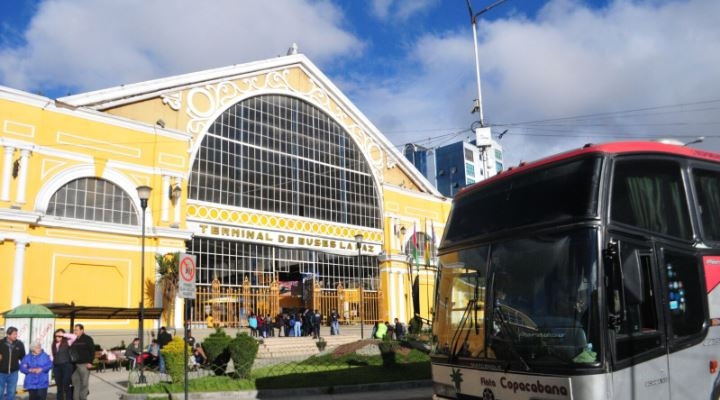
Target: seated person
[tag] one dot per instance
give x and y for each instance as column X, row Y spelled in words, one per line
column 132, row 352
column 151, row 358
column 199, row 355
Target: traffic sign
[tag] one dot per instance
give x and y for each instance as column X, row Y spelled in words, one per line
column 186, row 286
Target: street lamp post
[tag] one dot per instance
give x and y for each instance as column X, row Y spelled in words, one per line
column 358, row 241
column 473, row 19
column 144, row 195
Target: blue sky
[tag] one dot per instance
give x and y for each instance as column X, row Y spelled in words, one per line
column 555, row 73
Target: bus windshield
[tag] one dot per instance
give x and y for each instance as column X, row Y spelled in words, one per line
column 525, row 303
column 540, row 197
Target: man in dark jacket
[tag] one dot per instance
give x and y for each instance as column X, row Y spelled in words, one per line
column 82, row 353
column 164, row 337
column 11, row 352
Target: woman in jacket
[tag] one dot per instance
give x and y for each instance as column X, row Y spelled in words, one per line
column 36, row 366
column 62, row 367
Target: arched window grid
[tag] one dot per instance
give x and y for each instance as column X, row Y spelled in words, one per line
column 93, row 199
column 280, row 154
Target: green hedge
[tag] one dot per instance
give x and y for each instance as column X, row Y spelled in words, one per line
column 216, row 347
column 175, row 359
column 243, row 350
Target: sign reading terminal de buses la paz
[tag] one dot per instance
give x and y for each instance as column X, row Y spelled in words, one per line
column 283, row 239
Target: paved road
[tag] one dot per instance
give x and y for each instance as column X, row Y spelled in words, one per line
column 110, row 385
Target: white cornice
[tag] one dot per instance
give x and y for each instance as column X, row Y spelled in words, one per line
column 173, row 233
column 60, row 107
column 28, row 217
column 129, row 93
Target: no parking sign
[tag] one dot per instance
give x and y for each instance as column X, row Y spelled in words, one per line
column 187, row 274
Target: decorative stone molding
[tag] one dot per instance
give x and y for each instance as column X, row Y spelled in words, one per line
column 203, row 104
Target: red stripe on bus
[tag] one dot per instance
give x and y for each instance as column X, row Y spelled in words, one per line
column 712, row 271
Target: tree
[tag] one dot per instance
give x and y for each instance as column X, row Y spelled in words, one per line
column 167, row 268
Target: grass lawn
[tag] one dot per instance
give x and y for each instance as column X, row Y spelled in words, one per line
column 326, row 370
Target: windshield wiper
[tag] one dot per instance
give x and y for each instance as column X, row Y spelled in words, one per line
column 472, row 303
column 499, row 317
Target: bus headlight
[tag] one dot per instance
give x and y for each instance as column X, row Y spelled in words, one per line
column 445, row 391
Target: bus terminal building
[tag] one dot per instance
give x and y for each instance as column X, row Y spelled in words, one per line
column 288, row 196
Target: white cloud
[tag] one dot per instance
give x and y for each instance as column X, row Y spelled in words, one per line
column 570, row 61
column 93, row 44
column 400, row 9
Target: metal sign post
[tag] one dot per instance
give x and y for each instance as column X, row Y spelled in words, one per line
column 187, row 290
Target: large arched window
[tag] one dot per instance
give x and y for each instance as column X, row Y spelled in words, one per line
column 281, row 154
column 93, row 199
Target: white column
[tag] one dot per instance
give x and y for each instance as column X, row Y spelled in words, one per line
column 403, row 302
column 165, row 198
column 176, row 219
column 7, row 173
column 392, row 295
column 18, row 271
column 22, row 178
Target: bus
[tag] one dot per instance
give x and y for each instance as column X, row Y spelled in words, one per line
column 591, row 274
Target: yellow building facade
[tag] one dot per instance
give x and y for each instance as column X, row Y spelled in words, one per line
column 264, row 171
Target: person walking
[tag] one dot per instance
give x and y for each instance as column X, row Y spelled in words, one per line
column 62, row 367
column 82, row 353
column 12, row 352
column 36, row 366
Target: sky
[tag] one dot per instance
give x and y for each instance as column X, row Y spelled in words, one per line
column 555, row 74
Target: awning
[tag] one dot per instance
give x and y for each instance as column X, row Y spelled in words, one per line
column 71, row 311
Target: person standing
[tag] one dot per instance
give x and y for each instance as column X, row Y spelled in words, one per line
column 316, row 322
column 62, row 367
column 334, row 322
column 164, row 337
column 82, row 353
column 12, row 352
column 399, row 330
column 36, row 366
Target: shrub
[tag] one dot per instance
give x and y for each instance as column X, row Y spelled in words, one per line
column 216, row 348
column 387, row 348
column 175, row 359
column 321, row 344
column 243, row 350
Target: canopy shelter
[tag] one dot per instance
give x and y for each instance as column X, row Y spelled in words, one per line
column 72, row 312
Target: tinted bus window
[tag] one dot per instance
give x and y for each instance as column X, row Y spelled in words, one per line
column 684, row 294
column 707, row 187
column 649, row 194
column 551, row 195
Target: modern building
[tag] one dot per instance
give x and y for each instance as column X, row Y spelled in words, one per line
column 288, row 196
column 457, row 165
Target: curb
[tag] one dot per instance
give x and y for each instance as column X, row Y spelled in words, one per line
column 285, row 393
column 323, row 390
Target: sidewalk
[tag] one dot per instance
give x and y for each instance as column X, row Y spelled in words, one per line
column 113, row 384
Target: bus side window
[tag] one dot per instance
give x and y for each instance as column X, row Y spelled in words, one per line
column 684, row 294
column 707, row 187
column 650, row 195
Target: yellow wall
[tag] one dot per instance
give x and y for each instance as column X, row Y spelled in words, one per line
column 97, row 266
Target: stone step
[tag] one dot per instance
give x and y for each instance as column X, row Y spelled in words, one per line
column 277, row 347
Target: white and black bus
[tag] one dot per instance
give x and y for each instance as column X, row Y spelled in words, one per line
column 588, row 275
